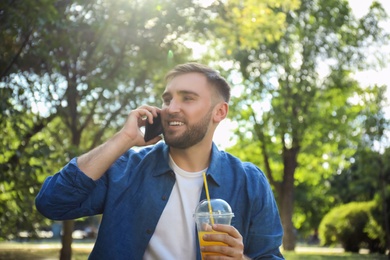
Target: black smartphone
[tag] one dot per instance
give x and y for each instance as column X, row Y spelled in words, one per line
column 153, row 130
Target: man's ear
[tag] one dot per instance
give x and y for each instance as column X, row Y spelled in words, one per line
column 220, row 112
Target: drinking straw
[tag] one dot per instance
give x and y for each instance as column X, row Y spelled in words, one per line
column 208, row 198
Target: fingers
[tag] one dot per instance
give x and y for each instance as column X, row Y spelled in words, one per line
column 226, row 238
column 146, row 113
column 232, row 231
column 234, row 248
column 206, row 227
column 220, row 252
column 135, row 120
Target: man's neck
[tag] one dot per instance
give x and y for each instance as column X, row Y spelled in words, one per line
column 192, row 159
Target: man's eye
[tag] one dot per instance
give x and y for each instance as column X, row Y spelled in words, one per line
column 166, row 101
column 187, row 98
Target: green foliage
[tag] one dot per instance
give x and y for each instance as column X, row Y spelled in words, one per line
column 238, row 20
column 19, row 176
column 307, row 124
column 368, row 178
column 359, row 182
column 18, row 20
column 353, row 225
column 70, row 74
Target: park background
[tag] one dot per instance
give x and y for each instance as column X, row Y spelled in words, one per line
column 309, row 106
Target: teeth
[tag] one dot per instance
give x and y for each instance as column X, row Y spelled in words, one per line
column 175, row 123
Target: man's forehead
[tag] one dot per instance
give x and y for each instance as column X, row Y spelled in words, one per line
column 190, row 83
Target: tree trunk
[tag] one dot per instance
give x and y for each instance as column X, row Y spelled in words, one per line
column 383, row 183
column 72, row 96
column 286, row 212
column 287, row 198
column 67, row 239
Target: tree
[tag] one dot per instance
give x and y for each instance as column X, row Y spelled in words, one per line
column 75, row 77
column 19, row 174
column 368, row 177
column 71, row 71
column 18, row 21
column 300, row 119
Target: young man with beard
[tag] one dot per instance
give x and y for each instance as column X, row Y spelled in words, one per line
column 148, row 196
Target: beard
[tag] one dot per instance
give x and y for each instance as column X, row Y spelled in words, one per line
column 193, row 135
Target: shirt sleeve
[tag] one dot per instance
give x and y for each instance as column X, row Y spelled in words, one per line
column 266, row 231
column 70, row 194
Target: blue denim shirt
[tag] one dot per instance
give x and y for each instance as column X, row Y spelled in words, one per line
column 133, row 192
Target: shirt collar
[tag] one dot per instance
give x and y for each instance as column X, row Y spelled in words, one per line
column 161, row 150
column 215, row 167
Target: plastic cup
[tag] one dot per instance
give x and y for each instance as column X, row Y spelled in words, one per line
column 221, row 214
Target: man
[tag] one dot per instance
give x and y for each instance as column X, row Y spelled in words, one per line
column 148, row 197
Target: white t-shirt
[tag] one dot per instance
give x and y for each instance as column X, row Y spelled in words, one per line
column 174, row 237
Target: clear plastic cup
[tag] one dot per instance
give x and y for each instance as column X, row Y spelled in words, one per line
column 221, row 214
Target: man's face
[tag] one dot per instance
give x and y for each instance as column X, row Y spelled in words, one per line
column 187, row 110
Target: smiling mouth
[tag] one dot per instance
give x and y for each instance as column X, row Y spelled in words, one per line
column 175, row 123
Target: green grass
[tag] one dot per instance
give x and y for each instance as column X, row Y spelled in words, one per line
column 41, row 250
column 51, row 251
column 325, row 256
column 39, row 254
column 53, row 254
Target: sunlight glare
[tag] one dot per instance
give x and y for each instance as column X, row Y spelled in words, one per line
column 204, row 3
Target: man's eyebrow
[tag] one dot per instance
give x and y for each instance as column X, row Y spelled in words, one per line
column 180, row 92
column 188, row 92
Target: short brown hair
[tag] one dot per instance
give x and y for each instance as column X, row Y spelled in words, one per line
column 212, row 76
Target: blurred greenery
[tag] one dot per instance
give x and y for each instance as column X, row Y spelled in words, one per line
column 352, row 225
column 321, row 256
column 300, row 126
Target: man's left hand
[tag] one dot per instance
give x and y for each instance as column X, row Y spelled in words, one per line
column 233, row 240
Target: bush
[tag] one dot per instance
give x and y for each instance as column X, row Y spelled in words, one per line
column 353, row 226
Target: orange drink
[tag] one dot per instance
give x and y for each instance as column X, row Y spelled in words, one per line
column 210, row 212
column 209, row 243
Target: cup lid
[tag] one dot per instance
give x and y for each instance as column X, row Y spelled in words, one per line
column 219, row 208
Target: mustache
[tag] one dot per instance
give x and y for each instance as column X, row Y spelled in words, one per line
column 175, row 118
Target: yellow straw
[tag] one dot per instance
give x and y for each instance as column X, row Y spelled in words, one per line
column 208, row 198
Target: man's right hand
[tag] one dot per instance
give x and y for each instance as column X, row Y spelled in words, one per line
column 136, row 119
column 96, row 162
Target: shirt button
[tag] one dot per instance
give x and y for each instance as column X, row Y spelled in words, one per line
column 149, row 231
column 164, row 197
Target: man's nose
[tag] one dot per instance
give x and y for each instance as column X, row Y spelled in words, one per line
column 173, row 107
